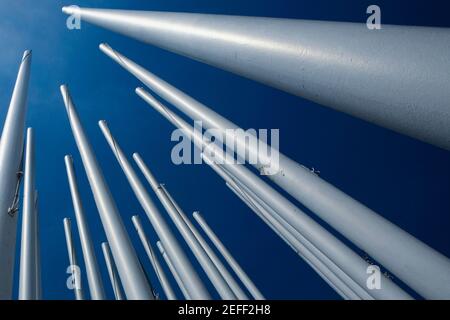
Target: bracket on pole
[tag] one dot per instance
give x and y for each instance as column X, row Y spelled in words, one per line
column 15, row 205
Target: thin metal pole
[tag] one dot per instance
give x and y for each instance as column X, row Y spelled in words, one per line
column 112, row 272
column 27, row 278
column 300, row 243
column 234, row 286
column 208, row 266
column 251, row 287
column 11, row 151
column 37, row 242
column 338, row 252
column 74, row 267
column 341, row 65
column 165, row 284
column 130, row 271
column 330, row 278
column 92, row 270
column 184, row 268
column 173, row 271
column 383, row 240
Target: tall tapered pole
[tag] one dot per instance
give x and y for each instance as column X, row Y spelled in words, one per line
column 160, row 274
column 27, row 278
column 370, row 231
column 227, row 276
column 92, row 270
column 11, row 149
column 251, row 287
column 174, row 272
column 338, row 252
column 208, row 266
column 73, row 261
column 37, row 242
column 130, row 271
column 184, row 268
column 112, row 272
column 392, row 77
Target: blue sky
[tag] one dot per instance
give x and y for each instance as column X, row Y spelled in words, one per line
column 406, row 181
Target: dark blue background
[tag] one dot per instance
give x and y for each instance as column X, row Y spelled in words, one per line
column 406, row 181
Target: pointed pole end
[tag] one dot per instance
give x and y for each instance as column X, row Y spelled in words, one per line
column 69, row 9
column 26, row 53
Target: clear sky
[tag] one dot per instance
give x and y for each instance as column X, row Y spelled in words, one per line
column 406, row 181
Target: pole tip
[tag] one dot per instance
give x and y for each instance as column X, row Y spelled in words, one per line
column 102, row 123
column 26, row 54
column 136, row 156
column 70, row 9
column 104, row 47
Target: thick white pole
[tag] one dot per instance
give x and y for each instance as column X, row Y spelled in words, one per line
column 74, row 267
column 11, row 149
column 130, row 271
column 173, row 271
column 227, row 276
column 338, row 252
column 208, row 266
column 184, row 268
column 92, row 270
column 27, row 277
column 112, row 272
column 160, row 274
column 251, row 287
column 400, row 252
column 394, row 77
column 37, row 242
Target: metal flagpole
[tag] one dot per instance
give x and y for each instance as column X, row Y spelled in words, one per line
column 330, row 278
column 92, row 270
column 74, row 267
column 37, row 242
column 181, row 262
column 112, row 272
column 208, row 266
column 297, row 242
column 130, row 271
column 251, row 287
column 173, row 271
column 11, row 150
column 326, row 268
column 371, row 232
column 338, row 252
column 341, row 65
column 234, row 286
column 165, row 284
column 27, row 277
